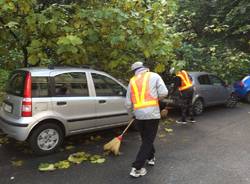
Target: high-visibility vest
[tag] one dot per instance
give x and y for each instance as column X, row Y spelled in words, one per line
column 140, row 92
column 186, row 82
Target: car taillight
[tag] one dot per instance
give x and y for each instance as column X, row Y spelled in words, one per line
column 241, row 84
column 27, row 100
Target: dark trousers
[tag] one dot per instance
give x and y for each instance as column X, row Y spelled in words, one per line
column 148, row 130
column 186, row 104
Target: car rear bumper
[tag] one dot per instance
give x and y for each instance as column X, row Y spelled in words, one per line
column 18, row 131
column 240, row 94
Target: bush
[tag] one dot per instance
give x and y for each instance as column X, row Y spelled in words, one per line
column 3, row 78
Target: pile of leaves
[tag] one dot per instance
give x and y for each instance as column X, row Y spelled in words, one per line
column 75, row 158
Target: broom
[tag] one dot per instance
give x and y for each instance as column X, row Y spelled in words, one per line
column 114, row 144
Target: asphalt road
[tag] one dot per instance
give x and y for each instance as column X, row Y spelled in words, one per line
column 215, row 150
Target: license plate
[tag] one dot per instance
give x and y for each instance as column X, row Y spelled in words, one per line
column 7, row 107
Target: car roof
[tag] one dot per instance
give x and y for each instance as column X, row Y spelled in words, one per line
column 43, row 71
column 199, row 73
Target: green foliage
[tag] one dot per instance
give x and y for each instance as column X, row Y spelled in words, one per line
column 3, row 78
column 216, row 37
column 109, row 36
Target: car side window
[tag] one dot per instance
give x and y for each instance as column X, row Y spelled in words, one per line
column 216, row 81
column 204, row 80
column 105, row 86
column 71, row 84
column 40, row 87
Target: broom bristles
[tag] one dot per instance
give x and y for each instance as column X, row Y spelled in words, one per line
column 113, row 146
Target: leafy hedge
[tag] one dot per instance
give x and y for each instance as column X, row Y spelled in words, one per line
column 3, row 78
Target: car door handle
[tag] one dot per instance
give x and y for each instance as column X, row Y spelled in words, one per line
column 102, row 101
column 61, row 103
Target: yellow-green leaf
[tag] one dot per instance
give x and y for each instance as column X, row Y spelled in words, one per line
column 78, row 157
column 46, row 167
column 65, row 164
column 17, row 163
column 70, row 147
column 169, row 130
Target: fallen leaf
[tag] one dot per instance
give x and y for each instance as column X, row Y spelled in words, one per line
column 98, row 161
column 4, row 140
column 78, row 157
column 70, row 147
column 46, row 167
column 95, row 157
column 17, row 163
column 62, row 164
column 168, row 130
column 161, row 135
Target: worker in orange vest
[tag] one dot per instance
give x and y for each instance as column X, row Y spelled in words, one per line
column 143, row 94
column 186, row 95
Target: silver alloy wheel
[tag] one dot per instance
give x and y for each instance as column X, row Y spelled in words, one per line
column 198, row 107
column 48, row 139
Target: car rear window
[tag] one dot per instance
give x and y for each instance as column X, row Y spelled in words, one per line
column 15, row 84
column 40, row 87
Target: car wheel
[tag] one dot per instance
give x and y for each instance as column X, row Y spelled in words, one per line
column 248, row 97
column 232, row 101
column 198, row 107
column 46, row 139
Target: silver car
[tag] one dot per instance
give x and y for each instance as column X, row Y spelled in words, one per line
column 44, row 105
column 209, row 90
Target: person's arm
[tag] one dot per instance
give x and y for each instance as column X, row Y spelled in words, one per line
column 161, row 88
column 128, row 102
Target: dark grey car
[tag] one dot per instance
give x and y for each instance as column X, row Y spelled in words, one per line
column 209, row 90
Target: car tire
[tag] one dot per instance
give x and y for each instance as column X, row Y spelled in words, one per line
column 248, row 97
column 232, row 101
column 198, row 106
column 46, row 138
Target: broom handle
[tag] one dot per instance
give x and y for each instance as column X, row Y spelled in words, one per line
column 130, row 123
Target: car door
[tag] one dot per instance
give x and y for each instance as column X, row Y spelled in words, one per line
column 72, row 100
column 110, row 100
column 204, row 88
column 220, row 91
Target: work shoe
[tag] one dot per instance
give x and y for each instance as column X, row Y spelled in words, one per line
column 137, row 172
column 181, row 122
column 151, row 162
column 191, row 120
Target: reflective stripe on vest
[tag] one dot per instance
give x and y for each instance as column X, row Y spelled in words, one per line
column 185, row 80
column 140, row 92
